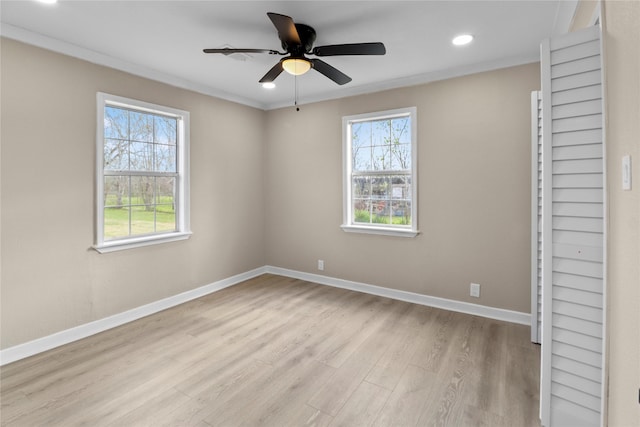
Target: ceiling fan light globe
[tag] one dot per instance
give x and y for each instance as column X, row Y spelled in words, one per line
column 296, row 66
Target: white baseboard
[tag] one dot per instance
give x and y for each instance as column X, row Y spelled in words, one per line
column 446, row 304
column 67, row 336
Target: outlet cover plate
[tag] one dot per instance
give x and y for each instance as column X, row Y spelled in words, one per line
column 474, row 290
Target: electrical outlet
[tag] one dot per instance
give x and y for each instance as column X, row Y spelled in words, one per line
column 320, row 264
column 474, row 290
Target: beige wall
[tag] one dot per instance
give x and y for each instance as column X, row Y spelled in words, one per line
column 621, row 27
column 474, row 198
column 474, row 191
column 51, row 279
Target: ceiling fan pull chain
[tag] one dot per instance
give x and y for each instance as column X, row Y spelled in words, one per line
column 295, row 96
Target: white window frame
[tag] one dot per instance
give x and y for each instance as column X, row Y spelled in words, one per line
column 182, row 180
column 348, row 224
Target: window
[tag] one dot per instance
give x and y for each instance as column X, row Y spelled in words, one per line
column 142, row 174
column 380, row 152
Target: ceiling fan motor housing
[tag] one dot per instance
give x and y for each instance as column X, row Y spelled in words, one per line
column 307, row 37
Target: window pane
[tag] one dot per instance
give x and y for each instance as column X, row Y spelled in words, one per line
column 116, row 123
column 362, row 158
column 165, row 157
column 401, row 130
column 381, row 158
column 165, row 190
column 362, row 211
column 165, row 204
column 361, row 134
column 380, row 212
column 142, row 220
column 165, row 218
column 142, row 192
column 165, row 130
column 141, row 127
column 116, row 190
column 380, row 188
column 380, row 135
column 401, row 156
column 141, row 156
column 116, row 154
column 361, row 187
column 401, row 211
column 401, row 187
column 116, row 222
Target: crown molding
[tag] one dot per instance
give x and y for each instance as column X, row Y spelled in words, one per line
column 564, row 15
column 413, row 80
column 39, row 40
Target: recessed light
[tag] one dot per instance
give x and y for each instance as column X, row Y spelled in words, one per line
column 48, row 1
column 269, row 85
column 462, row 39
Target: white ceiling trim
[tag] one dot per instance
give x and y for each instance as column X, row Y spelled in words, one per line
column 564, row 16
column 45, row 42
column 412, row 80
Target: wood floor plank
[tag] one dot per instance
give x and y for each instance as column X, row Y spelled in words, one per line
column 308, row 416
column 275, row 351
column 476, row 417
column 452, row 402
column 400, row 350
column 447, row 405
column 287, row 395
column 522, row 384
column 404, row 406
column 334, row 394
column 363, row 407
column 487, row 390
column 363, row 320
column 153, row 412
column 435, row 341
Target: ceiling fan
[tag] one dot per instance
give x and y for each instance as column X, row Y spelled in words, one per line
column 297, row 41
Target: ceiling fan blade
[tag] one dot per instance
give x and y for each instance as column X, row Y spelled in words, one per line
column 272, row 73
column 229, row 51
column 329, row 71
column 375, row 48
column 286, row 28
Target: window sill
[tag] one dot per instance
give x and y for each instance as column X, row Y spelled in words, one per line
column 120, row 245
column 385, row 231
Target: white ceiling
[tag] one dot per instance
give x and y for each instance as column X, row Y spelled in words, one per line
column 163, row 40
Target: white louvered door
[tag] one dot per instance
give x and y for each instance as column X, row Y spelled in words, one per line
column 573, row 254
column 536, row 217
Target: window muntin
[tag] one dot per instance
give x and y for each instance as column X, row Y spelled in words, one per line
column 380, row 152
column 142, row 172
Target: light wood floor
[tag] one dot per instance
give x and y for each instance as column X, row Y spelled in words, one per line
column 276, row 351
